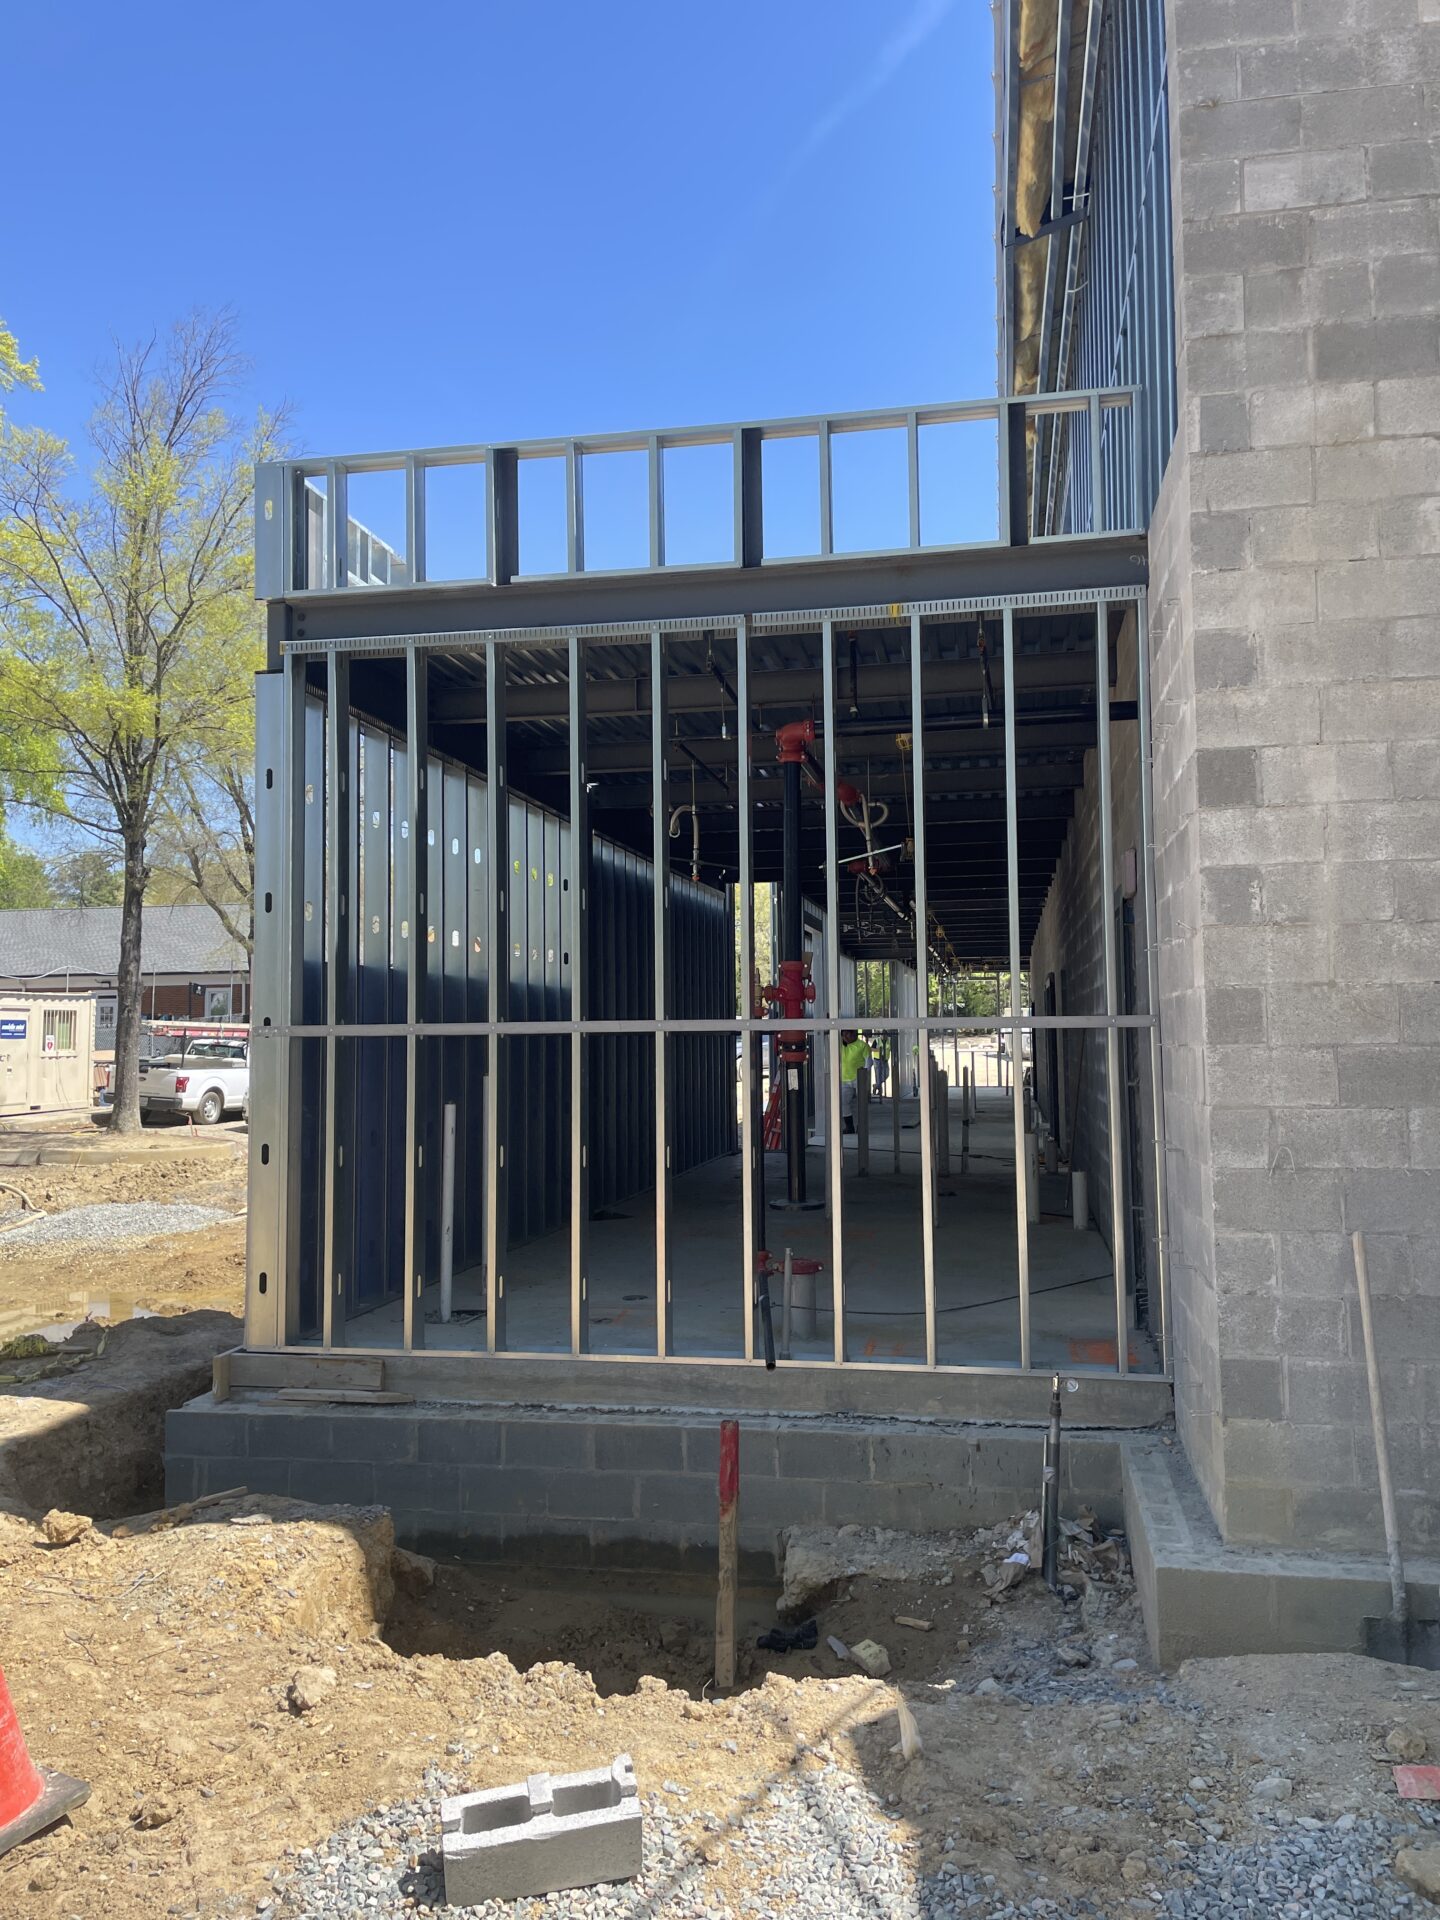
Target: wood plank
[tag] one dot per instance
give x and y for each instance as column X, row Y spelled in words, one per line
column 306, row 1370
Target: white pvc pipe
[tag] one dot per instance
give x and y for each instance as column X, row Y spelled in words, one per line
column 447, row 1216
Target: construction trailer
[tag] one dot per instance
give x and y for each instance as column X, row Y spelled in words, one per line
column 47, row 1053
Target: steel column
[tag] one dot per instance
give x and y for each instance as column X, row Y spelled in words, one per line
column 752, row 1044
column 835, row 1144
column 415, row 519
column 417, row 1051
column 659, row 736
column 292, row 985
column 922, row 983
column 1152, row 971
column 1107, row 941
column 1017, row 1080
column 579, row 929
column 497, row 1102
column 339, row 885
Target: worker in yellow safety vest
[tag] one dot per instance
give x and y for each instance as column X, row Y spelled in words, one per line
column 854, row 1054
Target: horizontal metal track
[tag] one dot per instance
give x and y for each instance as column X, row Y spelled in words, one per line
column 894, row 614
column 841, row 1023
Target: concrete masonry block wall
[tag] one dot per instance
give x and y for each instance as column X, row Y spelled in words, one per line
column 1308, row 289
column 588, row 1488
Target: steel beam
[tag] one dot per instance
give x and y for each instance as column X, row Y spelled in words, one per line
column 339, row 920
column 834, row 1140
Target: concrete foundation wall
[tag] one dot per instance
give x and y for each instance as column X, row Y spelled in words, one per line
column 587, row 1488
column 1295, row 565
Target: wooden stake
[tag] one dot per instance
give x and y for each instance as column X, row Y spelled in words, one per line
column 729, row 1554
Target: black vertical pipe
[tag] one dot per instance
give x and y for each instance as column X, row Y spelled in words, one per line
column 792, row 942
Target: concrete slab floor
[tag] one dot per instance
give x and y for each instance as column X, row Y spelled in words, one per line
column 1073, row 1320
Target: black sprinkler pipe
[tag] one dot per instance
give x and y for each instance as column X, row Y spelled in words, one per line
column 792, row 943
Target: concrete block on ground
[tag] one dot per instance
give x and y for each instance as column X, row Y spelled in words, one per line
column 543, row 1835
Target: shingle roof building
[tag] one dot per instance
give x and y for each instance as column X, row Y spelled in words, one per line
column 84, row 943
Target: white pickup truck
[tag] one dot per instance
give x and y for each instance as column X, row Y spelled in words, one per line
column 204, row 1075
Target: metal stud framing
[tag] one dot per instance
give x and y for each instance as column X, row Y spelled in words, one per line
column 1107, row 947
column 1012, row 841
column 387, row 863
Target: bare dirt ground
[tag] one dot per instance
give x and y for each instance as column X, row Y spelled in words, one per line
column 108, row 1282
column 157, row 1667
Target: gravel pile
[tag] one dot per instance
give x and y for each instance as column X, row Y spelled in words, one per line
column 822, row 1844
column 104, row 1225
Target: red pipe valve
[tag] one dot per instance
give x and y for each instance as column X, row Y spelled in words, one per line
column 791, row 740
column 790, row 996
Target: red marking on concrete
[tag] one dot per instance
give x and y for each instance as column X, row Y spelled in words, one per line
column 729, row 1464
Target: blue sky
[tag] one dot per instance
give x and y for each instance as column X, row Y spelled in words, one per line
column 458, row 222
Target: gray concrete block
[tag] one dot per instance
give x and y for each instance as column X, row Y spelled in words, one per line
column 549, row 1443
column 280, row 1436
column 180, row 1479
column 652, row 1447
column 1369, row 470
column 1224, row 660
column 1234, row 1015
column 939, row 1459
column 407, row 1486
column 206, row 1430
column 260, row 1476
column 1351, row 350
column 1407, row 283
column 1408, row 406
column 1403, row 171
column 1313, row 1015
column 586, row 1494
column 758, row 1453
column 1231, row 23
column 1404, row 1076
column 1227, row 777
column 823, row 1453
column 502, row 1491
column 1240, row 128
column 1394, row 1200
column 1270, row 477
column 460, row 1439
column 1311, row 179
column 1254, row 1389
column 1268, row 1202
column 1222, row 423
column 543, row 1835
column 1213, row 304
column 1362, row 116
column 333, row 1482
column 380, row 1435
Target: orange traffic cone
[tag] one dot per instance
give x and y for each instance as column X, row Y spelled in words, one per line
column 30, row 1800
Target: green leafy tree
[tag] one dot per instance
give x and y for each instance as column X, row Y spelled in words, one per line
column 127, row 606
column 15, row 372
column 88, row 878
column 24, row 881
